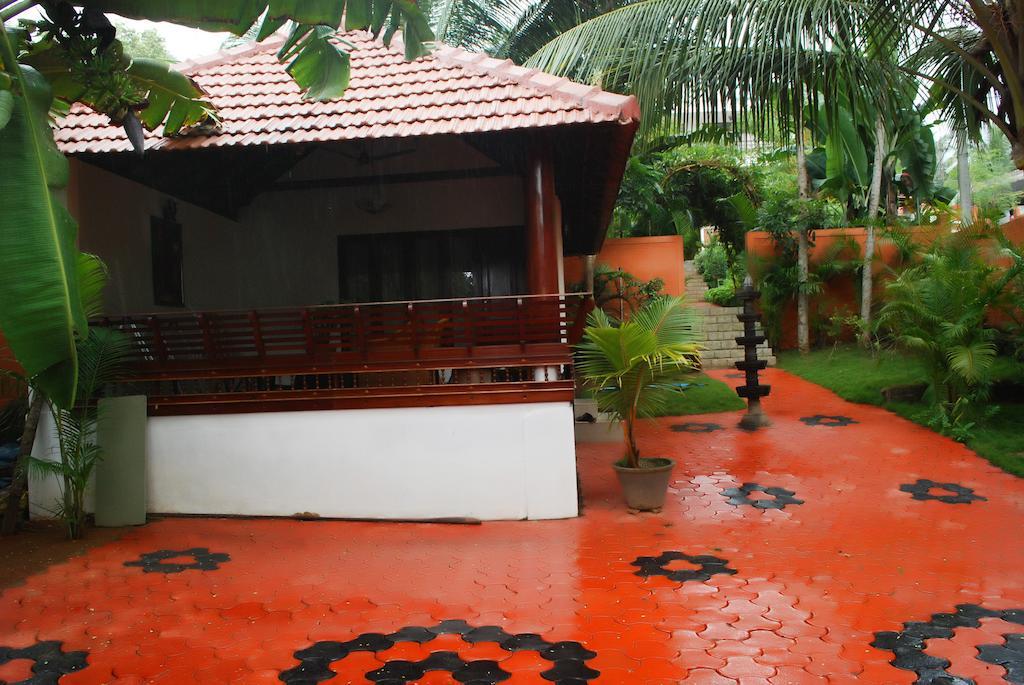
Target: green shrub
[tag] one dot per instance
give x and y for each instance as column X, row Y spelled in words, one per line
column 936, row 310
column 723, row 295
column 712, row 263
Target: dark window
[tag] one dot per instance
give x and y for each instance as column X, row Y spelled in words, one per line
column 165, row 240
column 428, row 265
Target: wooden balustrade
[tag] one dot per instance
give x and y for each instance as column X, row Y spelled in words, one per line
column 376, row 354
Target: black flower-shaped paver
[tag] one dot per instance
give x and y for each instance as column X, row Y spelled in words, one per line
column 156, row 562
column 695, row 427
column 741, row 496
column 658, row 566
column 954, row 493
column 50, row 661
column 909, row 644
column 829, row 421
column 1009, row 655
column 568, row 659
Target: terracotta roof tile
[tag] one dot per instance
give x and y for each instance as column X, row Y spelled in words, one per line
column 451, row 91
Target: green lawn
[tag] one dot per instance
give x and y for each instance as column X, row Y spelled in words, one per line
column 704, row 396
column 855, row 375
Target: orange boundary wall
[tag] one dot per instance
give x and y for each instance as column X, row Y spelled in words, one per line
column 646, row 258
column 843, row 292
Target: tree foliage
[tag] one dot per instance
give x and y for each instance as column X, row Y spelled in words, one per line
column 751, row 64
column 971, row 54
column 148, row 42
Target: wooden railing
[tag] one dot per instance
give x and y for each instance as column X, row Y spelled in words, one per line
column 346, row 352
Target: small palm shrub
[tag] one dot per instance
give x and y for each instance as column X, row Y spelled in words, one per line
column 100, row 360
column 634, row 367
column 936, row 310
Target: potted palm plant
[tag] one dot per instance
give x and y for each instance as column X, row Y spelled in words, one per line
column 633, row 368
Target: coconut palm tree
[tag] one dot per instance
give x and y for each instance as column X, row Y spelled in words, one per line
column 512, row 29
column 971, row 53
column 767, row 66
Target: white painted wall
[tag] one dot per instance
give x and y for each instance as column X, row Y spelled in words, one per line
column 114, row 222
column 490, row 462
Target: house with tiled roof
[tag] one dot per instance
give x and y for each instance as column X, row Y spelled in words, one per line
column 356, row 308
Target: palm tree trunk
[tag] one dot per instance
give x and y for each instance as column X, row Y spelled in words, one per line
column 14, row 493
column 804, row 187
column 632, row 453
column 963, row 173
column 874, row 199
column 1017, row 154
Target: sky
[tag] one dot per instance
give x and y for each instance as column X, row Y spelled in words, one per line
column 182, row 42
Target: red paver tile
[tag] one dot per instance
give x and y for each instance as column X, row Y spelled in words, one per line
column 810, row 591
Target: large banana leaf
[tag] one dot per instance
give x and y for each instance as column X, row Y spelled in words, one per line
column 6, row 107
column 40, row 308
column 319, row 67
column 846, row 157
column 173, row 99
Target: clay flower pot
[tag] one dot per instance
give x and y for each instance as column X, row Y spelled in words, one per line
column 645, row 488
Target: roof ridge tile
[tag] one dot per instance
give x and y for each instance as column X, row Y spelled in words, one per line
column 625, row 107
column 228, row 54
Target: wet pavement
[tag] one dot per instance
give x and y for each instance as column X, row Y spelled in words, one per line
column 841, row 545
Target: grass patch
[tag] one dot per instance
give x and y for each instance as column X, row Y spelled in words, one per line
column 855, row 375
column 705, row 395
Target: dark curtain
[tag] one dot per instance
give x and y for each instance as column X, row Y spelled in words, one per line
column 427, row 265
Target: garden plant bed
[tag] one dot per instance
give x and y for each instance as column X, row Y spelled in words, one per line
column 855, row 375
column 42, row 543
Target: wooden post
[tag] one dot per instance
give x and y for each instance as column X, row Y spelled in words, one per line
column 543, row 225
column 543, row 232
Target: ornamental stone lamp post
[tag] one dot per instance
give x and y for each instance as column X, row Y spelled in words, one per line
column 752, row 390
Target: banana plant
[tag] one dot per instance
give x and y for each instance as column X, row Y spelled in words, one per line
column 842, row 167
column 72, row 56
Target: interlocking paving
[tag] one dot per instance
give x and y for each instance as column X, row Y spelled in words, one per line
column 567, row 658
column 695, row 427
column 924, row 489
column 813, row 586
column 837, row 421
column 744, row 496
column 202, row 560
column 705, row 566
column 909, row 645
column 48, row 662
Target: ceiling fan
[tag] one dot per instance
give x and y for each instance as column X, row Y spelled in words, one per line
column 366, row 157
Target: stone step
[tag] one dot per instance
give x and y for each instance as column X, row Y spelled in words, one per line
column 729, row 364
column 723, row 335
column 710, row 309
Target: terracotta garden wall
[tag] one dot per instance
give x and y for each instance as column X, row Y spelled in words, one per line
column 646, row 258
column 843, row 292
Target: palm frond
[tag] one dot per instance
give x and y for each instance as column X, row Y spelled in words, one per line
column 694, row 62
column 972, row 362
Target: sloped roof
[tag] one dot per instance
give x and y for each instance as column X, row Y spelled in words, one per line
column 449, row 92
